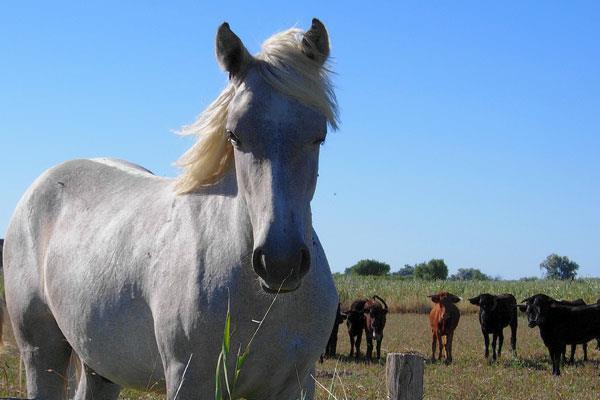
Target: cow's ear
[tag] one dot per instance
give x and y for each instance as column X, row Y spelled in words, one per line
column 434, row 297
column 385, row 310
column 522, row 307
column 455, row 299
column 475, row 300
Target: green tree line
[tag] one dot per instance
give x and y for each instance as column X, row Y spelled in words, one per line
column 554, row 267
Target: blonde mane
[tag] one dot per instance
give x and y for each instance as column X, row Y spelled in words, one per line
column 288, row 70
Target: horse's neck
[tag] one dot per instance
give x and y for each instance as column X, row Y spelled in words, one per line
column 221, row 205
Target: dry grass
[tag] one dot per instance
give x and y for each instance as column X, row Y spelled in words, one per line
column 469, row 377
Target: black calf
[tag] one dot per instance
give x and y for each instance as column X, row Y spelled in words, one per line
column 495, row 313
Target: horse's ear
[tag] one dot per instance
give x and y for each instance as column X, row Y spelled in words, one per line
column 231, row 53
column 315, row 43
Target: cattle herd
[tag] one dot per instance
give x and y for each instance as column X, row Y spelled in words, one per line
column 560, row 322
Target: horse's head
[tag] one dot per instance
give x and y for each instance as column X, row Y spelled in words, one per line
column 269, row 124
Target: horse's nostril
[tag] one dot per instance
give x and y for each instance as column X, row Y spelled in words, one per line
column 304, row 260
column 258, row 263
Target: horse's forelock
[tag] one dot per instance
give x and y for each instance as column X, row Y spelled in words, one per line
column 287, row 69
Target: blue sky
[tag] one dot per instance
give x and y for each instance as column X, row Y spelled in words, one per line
column 470, row 131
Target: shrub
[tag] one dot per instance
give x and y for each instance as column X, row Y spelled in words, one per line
column 369, row 267
column 432, row 270
column 470, row 274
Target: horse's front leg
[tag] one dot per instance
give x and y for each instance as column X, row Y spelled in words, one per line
column 182, row 380
column 189, row 373
column 308, row 390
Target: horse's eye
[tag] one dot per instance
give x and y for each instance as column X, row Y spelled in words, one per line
column 319, row 141
column 232, row 137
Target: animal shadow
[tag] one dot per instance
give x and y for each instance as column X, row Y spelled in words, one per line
column 360, row 360
column 538, row 364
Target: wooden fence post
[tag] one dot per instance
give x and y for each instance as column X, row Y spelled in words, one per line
column 404, row 376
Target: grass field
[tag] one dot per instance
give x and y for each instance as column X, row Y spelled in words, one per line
column 411, row 295
column 470, row 377
column 528, row 376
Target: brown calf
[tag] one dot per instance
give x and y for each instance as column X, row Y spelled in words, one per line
column 356, row 324
column 443, row 319
column 367, row 315
column 375, row 317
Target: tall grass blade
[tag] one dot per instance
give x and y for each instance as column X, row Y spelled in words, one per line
column 218, row 391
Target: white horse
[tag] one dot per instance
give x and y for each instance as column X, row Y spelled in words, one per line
column 132, row 272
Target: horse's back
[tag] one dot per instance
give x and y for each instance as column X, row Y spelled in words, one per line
column 76, row 184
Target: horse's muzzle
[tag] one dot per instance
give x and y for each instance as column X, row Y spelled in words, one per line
column 281, row 274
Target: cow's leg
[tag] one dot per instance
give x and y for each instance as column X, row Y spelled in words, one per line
column 449, row 338
column 556, row 361
column 379, row 349
column 369, row 339
column 500, row 342
column 433, row 343
column 486, row 342
column 351, row 345
column 513, row 337
column 358, row 340
column 93, row 386
column 333, row 348
column 584, row 345
column 441, row 346
column 494, row 339
column 572, row 358
column 44, row 349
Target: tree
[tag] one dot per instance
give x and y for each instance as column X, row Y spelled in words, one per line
column 470, row 274
column 431, row 270
column 406, row 271
column 369, row 267
column 528, row 279
column 559, row 267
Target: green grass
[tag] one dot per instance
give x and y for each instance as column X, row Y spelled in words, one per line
column 411, row 295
